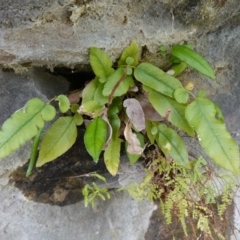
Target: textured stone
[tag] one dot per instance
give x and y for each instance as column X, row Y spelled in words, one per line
column 59, row 33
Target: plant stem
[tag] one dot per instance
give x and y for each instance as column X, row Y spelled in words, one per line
column 34, row 152
column 116, row 86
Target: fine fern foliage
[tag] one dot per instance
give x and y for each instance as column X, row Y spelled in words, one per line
column 138, row 104
column 58, row 139
column 213, row 135
column 114, row 98
column 193, row 59
column 23, row 125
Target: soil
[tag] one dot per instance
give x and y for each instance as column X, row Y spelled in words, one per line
column 57, row 182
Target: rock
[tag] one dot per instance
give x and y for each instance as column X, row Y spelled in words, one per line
column 34, row 220
column 58, row 34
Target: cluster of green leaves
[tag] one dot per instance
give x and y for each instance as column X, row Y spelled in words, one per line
column 91, row 192
column 120, row 102
column 186, row 194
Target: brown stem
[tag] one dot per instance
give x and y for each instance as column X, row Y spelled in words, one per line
column 115, row 87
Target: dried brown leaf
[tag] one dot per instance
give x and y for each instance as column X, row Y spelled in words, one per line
column 135, row 113
column 134, row 145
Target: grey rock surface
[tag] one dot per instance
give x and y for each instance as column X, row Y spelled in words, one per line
column 121, row 217
column 59, row 33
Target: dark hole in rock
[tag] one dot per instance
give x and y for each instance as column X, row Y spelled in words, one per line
column 77, row 77
column 56, row 182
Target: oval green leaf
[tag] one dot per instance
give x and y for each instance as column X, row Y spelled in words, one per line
column 22, row 126
column 181, row 95
column 130, row 51
column 100, row 62
column 194, row 60
column 74, row 107
column 98, row 96
column 48, row 113
column 156, row 79
column 164, row 104
column 178, row 68
column 58, row 139
column 172, row 145
column 112, row 81
column 91, row 108
column 78, row 119
column 149, row 126
column 63, row 103
column 112, row 156
column 95, row 137
column 213, row 135
column 89, row 91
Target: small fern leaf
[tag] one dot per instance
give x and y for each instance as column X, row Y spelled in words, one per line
column 181, row 95
column 193, row 59
column 63, row 103
column 89, row 91
column 172, row 144
column 95, row 137
column 175, row 111
column 112, row 81
column 58, row 139
column 213, row 135
column 100, row 62
column 112, row 156
column 130, row 52
column 23, row 125
column 156, row 79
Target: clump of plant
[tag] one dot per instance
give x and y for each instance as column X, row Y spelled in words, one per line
column 136, row 103
column 189, row 196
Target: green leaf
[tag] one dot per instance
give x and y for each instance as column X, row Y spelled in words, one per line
column 115, row 107
column 194, row 60
column 129, row 71
column 172, row 144
column 89, row 91
column 164, row 104
column 78, row 119
column 23, row 125
column 181, row 95
column 58, row 139
column 48, row 113
column 115, row 123
column 98, row 96
column 74, row 107
column 213, row 135
column 112, row 81
column 100, row 62
column 63, row 103
column 134, row 157
column 129, row 60
column 91, row 108
column 95, row 137
column 102, row 79
column 156, row 79
column 131, row 51
column 149, row 126
column 112, row 156
column 162, row 49
column 178, row 68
